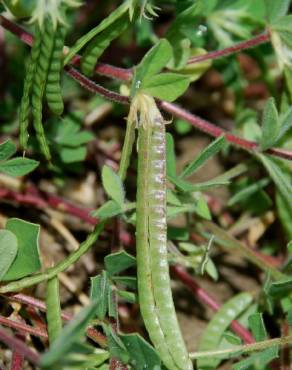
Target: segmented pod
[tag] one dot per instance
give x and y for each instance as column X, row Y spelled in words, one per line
column 155, row 297
column 39, row 84
column 97, row 46
column 145, row 284
column 53, row 87
column 25, row 100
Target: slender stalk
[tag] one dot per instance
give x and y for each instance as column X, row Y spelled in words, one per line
column 33, row 302
column 15, row 286
column 95, row 88
column 247, row 348
column 23, row 328
column 247, row 44
column 127, row 150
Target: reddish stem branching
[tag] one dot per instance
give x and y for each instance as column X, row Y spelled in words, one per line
column 36, row 303
column 125, row 74
column 66, row 206
column 199, row 123
column 23, row 328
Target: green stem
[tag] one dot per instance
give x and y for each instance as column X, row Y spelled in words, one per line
column 62, row 266
column 258, row 346
column 127, row 150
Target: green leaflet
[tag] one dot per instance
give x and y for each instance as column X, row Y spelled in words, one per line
column 279, row 177
column 117, row 262
column 285, row 123
column 27, row 260
column 213, row 148
column 142, row 354
column 276, row 9
column 97, row 46
column 18, row 166
column 116, row 346
column 166, row 86
column 217, row 326
column 270, row 125
column 178, row 37
column 256, row 323
column 8, row 250
column 223, row 179
column 113, row 185
column 107, row 210
column 7, row 149
column 247, row 191
column 15, row 166
column 100, row 290
column 107, row 22
column 285, row 214
column 153, row 61
column 259, row 360
column 281, row 39
column 280, row 288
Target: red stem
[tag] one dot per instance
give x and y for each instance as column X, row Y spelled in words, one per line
column 23, row 328
column 31, row 301
column 215, row 131
column 205, row 297
column 17, row 345
column 125, row 74
column 17, row 361
column 247, row 44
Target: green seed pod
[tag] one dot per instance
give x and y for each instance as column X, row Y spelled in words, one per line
column 97, row 46
column 53, row 88
column 25, row 100
column 39, row 84
column 155, row 297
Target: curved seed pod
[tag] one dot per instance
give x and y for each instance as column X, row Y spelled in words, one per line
column 158, row 247
column 53, row 88
column 25, row 100
column 217, row 326
column 41, row 74
column 154, row 289
column 97, row 46
column 145, row 285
